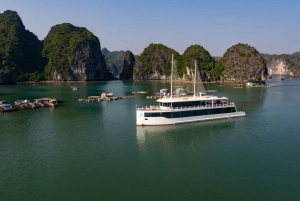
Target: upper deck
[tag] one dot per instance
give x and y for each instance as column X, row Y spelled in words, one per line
column 186, row 103
column 189, row 98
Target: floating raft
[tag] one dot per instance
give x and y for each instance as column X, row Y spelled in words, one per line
column 288, row 85
column 154, row 97
column 99, row 98
column 285, row 85
column 211, row 91
column 27, row 104
column 140, row 92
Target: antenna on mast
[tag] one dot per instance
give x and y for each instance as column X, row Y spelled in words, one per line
column 195, row 79
column 172, row 77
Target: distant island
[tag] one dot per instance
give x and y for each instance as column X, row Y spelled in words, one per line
column 71, row 53
column 240, row 62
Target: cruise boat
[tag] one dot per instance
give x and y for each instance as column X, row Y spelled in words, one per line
column 175, row 109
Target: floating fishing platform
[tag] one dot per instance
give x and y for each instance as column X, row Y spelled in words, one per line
column 140, row 92
column 103, row 98
column 154, row 97
column 27, row 104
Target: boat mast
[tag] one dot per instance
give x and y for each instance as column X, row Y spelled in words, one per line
column 195, row 79
column 172, row 77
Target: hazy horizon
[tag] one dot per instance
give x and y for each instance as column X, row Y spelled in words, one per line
column 269, row 26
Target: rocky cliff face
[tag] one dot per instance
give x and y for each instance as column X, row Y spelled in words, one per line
column 114, row 60
column 155, row 63
column 19, row 50
column 296, row 54
column 283, row 64
column 205, row 63
column 112, row 68
column 128, row 64
column 242, row 63
column 74, row 53
column 8, row 77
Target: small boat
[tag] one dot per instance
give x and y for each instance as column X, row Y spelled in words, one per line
column 73, row 87
column 181, row 92
column 107, row 96
column 249, row 84
column 282, row 78
column 270, row 76
column 163, row 92
column 8, row 108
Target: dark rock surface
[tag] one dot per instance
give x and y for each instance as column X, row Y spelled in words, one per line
column 296, row 54
column 128, row 64
column 205, row 63
column 114, row 60
column 243, row 62
column 19, row 50
column 74, row 53
column 284, row 64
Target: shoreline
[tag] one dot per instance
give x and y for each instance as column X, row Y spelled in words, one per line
column 162, row 81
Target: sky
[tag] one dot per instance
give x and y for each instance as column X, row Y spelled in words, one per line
column 271, row 26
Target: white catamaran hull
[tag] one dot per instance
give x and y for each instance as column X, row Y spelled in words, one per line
column 141, row 120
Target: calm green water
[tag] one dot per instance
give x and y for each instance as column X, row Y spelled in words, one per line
column 94, row 151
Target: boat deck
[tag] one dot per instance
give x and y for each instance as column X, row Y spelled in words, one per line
column 157, row 108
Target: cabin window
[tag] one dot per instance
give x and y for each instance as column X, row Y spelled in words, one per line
column 190, row 113
column 188, row 104
column 166, row 104
column 197, row 112
column 154, row 114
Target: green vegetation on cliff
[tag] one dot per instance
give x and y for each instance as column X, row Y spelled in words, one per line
column 20, row 58
column 243, row 62
column 205, row 62
column 60, row 45
column 155, row 62
column 114, row 60
column 293, row 63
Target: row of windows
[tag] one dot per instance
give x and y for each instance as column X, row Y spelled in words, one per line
column 191, row 103
column 191, row 113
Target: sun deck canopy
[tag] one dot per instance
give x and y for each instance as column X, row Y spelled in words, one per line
column 185, row 99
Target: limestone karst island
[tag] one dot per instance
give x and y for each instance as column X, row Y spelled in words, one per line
column 71, row 53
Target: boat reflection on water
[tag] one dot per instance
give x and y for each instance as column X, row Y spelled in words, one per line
column 191, row 133
column 142, row 132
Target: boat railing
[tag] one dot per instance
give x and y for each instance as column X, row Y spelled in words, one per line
column 156, row 107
